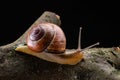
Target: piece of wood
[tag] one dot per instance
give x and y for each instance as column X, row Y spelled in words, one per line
column 98, row 63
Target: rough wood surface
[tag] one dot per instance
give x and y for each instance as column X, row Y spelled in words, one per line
column 98, row 63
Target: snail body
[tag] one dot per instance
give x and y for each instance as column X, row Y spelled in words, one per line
column 47, row 41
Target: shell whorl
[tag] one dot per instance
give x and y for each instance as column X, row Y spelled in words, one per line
column 46, row 37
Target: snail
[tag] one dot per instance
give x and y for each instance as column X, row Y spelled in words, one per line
column 47, row 41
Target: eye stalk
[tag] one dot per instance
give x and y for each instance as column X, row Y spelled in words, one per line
column 79, row 42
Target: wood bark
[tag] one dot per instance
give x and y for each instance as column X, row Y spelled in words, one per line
column 98, row 63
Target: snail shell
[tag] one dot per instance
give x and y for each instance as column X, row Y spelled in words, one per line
column 46, row 37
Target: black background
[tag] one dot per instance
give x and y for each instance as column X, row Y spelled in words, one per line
column 100, row 21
